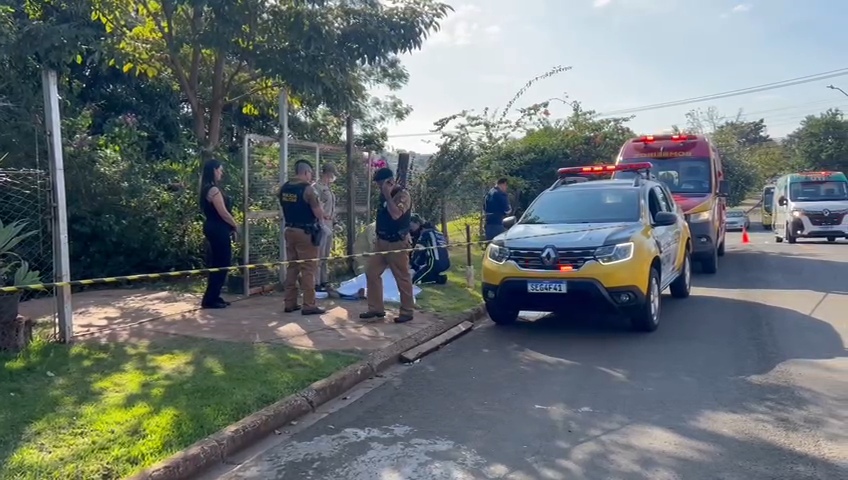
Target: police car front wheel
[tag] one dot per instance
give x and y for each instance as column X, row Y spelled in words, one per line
column 646, row 317
column 501, row 315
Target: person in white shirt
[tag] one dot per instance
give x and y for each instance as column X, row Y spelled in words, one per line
column 328, row 203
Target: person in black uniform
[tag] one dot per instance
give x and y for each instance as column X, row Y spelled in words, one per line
column 219, row 227
column 392, row 228
column 496, row 207
column 430, row 257
column 301, row 213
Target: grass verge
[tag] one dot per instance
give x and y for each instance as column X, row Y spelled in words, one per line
column 106, row 411
column 455, row 297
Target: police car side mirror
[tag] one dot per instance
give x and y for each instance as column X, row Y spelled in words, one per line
column 664, row 219
column 782, row 201
column 508, row 222
column 723, row 188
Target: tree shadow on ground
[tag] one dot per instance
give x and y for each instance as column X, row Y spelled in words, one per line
column 104, row 410
column 709, row 395
column 724, row 405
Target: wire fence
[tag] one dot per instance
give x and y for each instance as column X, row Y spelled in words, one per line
column 25, row 199
column 260, row 211
column 260, row 181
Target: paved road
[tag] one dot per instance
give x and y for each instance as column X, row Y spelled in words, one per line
column 747, row 379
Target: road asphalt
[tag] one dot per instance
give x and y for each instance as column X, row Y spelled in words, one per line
column 747, row 379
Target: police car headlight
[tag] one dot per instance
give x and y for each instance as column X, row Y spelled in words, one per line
column 699, row 217
column 497, row 253
column 614, row 253
column 797, row 213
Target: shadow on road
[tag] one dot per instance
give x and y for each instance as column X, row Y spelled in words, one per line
column 705, row 383
column 786, row 270
column 701, row 398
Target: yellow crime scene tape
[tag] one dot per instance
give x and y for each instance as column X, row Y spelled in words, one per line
column 237, row 268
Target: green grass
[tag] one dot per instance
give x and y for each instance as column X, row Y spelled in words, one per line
column 104, row 411
column 455, row 297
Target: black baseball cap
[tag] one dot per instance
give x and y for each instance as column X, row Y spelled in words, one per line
column 384, row 173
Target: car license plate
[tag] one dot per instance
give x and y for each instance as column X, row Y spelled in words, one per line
column 546, row 287
column 827, row 227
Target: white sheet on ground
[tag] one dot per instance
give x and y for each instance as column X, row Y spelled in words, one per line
column 350, row 288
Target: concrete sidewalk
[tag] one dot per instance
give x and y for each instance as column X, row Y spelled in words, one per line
column 137, row 315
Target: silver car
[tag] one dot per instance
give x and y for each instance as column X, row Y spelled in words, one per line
column 736, row 220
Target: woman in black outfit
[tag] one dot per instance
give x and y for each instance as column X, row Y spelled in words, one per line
column 218, row 227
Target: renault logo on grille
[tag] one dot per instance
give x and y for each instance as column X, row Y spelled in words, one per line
column 549, row 256
column 826, row 212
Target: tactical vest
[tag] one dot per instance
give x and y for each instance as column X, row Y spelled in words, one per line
column 296, row 210
column 389, row 229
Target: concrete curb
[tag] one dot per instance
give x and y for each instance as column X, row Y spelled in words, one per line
column 224, row 443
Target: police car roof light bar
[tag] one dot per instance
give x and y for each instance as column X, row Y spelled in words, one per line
column 823, row 174
column 601, row 169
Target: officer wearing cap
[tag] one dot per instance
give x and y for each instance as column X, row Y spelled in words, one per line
column 301, row 213
column 392, row 228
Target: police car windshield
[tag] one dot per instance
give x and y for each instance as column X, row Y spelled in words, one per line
column 818, row 191
column 583, row 205
column 680, row 175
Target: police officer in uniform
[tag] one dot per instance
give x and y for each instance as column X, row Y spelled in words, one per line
column 301, row 213
column 393, row 215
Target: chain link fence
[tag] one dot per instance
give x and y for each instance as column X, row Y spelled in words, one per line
column 262, row 221
column 260, row 216
column 25, row 197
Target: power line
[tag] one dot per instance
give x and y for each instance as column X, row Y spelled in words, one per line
column 716, row 96
column 733, row 93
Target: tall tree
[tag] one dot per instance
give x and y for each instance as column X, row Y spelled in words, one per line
column 227, row 52
column 739, row 142
column 821, row 142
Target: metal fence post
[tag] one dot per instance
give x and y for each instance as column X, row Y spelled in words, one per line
column 351, row 189
column 245, row 229
column 368, row 183
column 317, row 162
column 62, row 270
column 284, row 172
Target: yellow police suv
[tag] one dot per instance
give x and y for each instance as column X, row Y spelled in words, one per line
column 614, row 243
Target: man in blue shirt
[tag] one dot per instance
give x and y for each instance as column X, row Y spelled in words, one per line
column 496, row 207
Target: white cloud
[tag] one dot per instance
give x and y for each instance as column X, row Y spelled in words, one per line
column 493, row 30
column 741, row 8
column 601, row 3
column 464, row 27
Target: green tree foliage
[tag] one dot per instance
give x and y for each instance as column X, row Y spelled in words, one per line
column 226, row 53
column 580, row 139
column 821, row 142
column 752, row 158
column 525, row 146
column 144, row 83
column 458, row 175
column 741, row 144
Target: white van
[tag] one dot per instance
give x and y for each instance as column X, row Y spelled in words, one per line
column 810, row 205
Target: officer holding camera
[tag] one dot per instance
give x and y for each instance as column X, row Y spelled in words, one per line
column 393, row 218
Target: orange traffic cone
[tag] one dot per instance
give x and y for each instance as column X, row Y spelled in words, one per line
column 745, row 238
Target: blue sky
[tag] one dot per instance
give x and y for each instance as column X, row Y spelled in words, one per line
column 628, row 53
